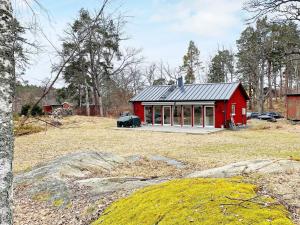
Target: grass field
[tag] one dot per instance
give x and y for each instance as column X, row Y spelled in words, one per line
column 261, row 141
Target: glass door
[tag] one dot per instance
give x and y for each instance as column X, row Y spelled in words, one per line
column 149, row 115
column 187, row 115
column 157, row 115
column 198, row 116
column 167, row 115
column 209, row 116
column 177, row 115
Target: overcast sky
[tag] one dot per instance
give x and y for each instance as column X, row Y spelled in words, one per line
column 162, row 28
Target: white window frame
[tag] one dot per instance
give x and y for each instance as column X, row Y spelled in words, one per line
column 233, row 113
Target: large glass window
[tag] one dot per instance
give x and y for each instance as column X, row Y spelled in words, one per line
column 157, row 115
column 198, row 116
column 167, row 115
column 187, row 113
column 209, row 116
column 148, row 114
column 177, row 115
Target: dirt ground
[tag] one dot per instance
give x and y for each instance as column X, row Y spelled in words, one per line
column 262, row 140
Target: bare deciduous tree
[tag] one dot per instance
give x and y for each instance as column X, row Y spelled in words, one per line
column 279, row 9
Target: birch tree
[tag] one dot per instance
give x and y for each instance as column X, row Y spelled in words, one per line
column 6, row 125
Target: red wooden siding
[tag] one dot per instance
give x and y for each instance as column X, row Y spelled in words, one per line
column 240, row 102
column 219, row 114
column 223, row 108
column 293, row 107
column 47, row 109
column 138, row 110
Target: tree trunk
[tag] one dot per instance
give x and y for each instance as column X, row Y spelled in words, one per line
column 250, row 97
column 100, row 102
column 280, row 84
column 270, row 85
column 275, row 85
column 261, row 89
column 80, row 97
column 7, row 82
column 87, row 100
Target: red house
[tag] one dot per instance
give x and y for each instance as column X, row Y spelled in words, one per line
column 195, row 105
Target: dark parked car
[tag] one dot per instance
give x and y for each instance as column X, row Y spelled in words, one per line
column 267, row 116
column 275, row 115
column 252, row 115
column 129, row 121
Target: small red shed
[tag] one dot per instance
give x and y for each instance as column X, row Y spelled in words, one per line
column 193, row 105
column 48, row 109
column 293, row 107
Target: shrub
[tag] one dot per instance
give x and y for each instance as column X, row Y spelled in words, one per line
column 25, row 109
column 35, row 110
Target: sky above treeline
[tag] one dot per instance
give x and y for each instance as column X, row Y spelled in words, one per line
column 161, row 28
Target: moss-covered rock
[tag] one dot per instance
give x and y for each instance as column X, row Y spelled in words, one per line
column 196, row 201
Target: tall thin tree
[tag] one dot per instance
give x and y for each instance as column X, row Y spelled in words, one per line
column 6, row 124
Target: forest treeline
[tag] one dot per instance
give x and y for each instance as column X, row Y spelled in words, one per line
column 266, row 61
column 101, row 71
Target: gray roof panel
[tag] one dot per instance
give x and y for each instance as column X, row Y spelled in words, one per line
column 190, row 92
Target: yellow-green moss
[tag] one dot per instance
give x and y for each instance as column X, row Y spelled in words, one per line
column 42, row 197
column 195, row 201
column 58, row 202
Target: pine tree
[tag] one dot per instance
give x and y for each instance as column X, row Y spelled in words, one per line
column 191, row 63
column 221, row 67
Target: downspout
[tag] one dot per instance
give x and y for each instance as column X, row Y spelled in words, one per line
column 153, row 116
column 225, row 113
column 193, row 115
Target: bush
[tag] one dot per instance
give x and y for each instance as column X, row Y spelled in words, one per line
column 35, row 111
column 25, row 109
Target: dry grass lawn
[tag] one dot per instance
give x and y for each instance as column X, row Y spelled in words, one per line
column 262, row 140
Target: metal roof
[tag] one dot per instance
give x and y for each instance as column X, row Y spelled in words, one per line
column 190, row 92
column 151, row 93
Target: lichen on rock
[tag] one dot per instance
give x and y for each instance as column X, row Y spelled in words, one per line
column 196, row 201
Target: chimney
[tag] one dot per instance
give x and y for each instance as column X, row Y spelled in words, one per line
column 180, row 82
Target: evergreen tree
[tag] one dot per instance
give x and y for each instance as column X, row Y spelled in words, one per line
column 221, row 68
column 191, row 63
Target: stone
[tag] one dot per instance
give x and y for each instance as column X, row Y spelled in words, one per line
column 248, row 167
column 169, row 161
column 112, row 184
